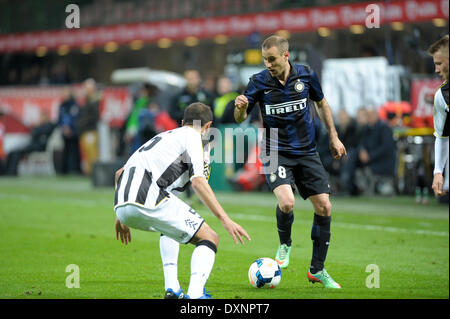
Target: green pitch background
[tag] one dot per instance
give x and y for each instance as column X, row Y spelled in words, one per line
column 49, row 223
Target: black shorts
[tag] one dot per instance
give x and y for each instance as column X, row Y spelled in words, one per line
column 305, row 172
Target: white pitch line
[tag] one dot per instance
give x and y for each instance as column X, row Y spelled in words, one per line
column 352, row 226
column 92, row 203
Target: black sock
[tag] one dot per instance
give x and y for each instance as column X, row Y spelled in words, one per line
column 320, row 235
column 284, row 226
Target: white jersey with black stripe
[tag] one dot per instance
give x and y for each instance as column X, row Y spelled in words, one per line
column 165, row 164
column 440, row 111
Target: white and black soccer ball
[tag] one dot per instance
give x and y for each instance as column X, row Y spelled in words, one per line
column 264, row 273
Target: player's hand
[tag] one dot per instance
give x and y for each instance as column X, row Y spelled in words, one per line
column 438, row 182
column 236, row 231
column 241, row 102
column 123, row 231
column 337, row 148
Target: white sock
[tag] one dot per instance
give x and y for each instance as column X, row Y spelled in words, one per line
column 169, row 255
column 202, row 261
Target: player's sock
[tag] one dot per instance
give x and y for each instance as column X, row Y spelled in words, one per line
column 202, row 262
column 320, row 235
column 169, row 255
column 284, row 226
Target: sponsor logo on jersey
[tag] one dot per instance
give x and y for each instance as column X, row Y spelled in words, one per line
column 287, row 107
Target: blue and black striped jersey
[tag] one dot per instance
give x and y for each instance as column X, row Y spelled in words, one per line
column 286, row 108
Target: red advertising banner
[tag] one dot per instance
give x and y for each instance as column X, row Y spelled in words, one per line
column 422, row 98
column 294, row 20
column 26, row 104
column 115, row 105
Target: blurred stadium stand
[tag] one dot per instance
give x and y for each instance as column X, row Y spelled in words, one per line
column 216, row 37
column 45, row 14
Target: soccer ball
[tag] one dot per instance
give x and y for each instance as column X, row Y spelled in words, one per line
column 264, row 273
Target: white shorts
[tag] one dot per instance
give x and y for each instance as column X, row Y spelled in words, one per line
column 173, row 218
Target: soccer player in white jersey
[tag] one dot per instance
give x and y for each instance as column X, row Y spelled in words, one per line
column 145, row 198
column 439, row 52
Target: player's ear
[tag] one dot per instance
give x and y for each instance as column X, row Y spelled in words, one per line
column 206, row 126
column 286, row 54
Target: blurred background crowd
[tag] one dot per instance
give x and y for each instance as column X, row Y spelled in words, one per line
column 83, row 108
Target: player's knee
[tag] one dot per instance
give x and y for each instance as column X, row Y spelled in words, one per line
column 211, row 236
column 208, row 244
column 211, row 240
column 287, row 205
column 323, row 208
column 214, row 238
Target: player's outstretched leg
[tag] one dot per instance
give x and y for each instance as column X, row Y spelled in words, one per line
column 284, row 227
column 320, row 236
column 169, row 249
column 202, row 261
column 285, row 219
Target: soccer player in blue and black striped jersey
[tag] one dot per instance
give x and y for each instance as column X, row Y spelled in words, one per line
column 282, row 91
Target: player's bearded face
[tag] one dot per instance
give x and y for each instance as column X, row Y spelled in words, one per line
column 274, row 61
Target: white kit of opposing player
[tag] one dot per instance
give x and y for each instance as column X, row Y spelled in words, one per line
column 153, row 176
column 440, row 117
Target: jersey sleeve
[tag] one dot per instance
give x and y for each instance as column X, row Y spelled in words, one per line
column 440, row 115
column 251, row 93
column 194, row 149
column 315, row 91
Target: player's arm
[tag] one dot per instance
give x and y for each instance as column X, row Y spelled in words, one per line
column 324, row 111
column 121, row 230
column 206, row 195
column 441, row 146
column 117, row 175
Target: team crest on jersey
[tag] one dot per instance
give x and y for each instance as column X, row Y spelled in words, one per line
column 299, row 86
column 272, row 177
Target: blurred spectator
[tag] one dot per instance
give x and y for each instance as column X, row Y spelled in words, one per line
column 210, row 85
column 59, row 74
column 347, row 130
column 361, row 121
column 38, row 143
column 132, row 139
column 87, row 126
column 153, row 121
column 13, row 77
column 31, row 75
column 376, row 151
column 146, row 128
column 396, row 114
column 190, row 94
column 223, row 105
column 67, row 121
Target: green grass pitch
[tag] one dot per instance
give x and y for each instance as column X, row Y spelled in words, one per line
column 50, row 223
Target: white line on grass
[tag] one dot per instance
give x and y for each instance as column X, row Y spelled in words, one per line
column 351, row 226
column 92, row 203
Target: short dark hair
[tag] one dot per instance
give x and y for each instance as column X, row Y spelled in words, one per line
column 197, row 112
column 276, row 41
column 442, row 43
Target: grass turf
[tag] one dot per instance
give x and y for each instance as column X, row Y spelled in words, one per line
column 50, row 223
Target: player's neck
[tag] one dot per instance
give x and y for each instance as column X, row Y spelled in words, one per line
column 284, row 76
column 195, row 127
